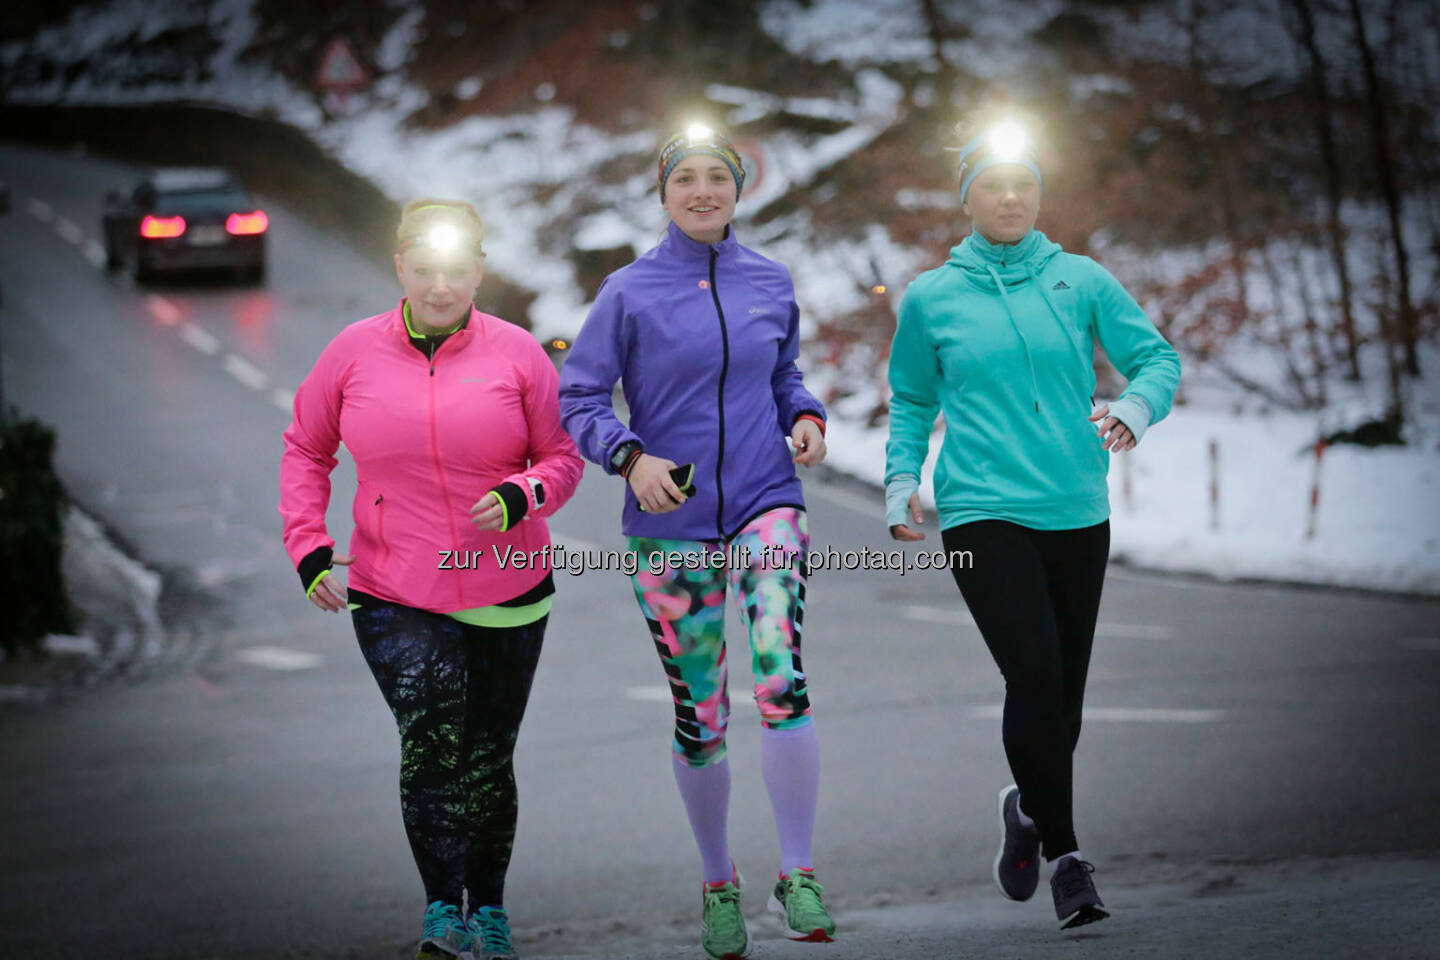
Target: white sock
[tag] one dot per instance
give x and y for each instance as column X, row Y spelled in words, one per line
column 1058, row 860
column 1025, row 821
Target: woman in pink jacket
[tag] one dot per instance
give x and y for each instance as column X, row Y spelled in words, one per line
column 453, row 420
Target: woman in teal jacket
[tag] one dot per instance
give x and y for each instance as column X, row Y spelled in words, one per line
column 1000, row 339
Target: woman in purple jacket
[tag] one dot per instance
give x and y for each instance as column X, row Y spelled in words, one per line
column 702, row 334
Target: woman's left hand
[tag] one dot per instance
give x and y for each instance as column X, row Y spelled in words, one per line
column 488, row 514
column 1120, row 438
column 809, row 443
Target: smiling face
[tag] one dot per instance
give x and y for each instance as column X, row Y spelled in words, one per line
column 440, row 286
column 1003, row 202
column 700, row 197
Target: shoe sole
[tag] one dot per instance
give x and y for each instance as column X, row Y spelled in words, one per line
column 818, row 935
column 995, row 867
column 1085, row 915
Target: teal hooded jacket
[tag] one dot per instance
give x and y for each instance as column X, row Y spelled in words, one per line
column 1000, row 339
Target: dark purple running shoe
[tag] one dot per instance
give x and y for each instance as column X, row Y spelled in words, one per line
column 1017, row 865
column 1076, row 902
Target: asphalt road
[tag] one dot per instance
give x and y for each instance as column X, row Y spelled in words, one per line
column 249, row 809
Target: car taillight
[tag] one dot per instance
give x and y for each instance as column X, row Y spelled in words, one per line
column 245, row 224
column 160, row 227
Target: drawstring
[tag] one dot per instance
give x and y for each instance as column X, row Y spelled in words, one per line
column 1005, row 299
column 1069, row 336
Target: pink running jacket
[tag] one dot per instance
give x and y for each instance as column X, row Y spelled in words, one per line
column 429, row 439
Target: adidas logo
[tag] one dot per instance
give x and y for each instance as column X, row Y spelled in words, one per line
column 1061, row 285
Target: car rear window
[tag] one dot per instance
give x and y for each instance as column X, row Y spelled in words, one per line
column 204, row 201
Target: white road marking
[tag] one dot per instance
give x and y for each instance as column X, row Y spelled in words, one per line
column 40, row 210
column 94, row 253
column 70, row 231
column 19, row 693
column 199, row 339
column 216, row 574
column 246, row 372
column 1118, row 714
column 1134, row 631
column 278, row 658
column 660, row 694
column 958, row 616
column 282, row 398
column 163, row 310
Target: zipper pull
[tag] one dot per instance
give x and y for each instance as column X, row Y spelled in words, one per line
column 378, row 499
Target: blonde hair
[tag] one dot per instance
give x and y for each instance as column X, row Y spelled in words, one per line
column 420, row 216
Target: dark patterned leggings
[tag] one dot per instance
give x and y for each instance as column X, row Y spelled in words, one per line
column 458, row 693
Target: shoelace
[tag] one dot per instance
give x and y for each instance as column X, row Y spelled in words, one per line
column 494, row 930
column 441, row 921
column 726, row 919
column 1076, row 879
column 807, row 893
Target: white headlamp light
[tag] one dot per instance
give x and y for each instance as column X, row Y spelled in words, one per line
column 443, row 238
column 1008, row 141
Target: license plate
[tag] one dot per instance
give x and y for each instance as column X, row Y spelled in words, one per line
column 206, row 236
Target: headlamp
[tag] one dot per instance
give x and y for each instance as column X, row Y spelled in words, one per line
column 697, row 134
column 1006, row 142
column 442, row 238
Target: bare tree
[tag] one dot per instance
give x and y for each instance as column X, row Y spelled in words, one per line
column 1330, row 160
column 1406, row 326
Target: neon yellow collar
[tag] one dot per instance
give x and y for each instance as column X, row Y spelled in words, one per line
column 420, row 336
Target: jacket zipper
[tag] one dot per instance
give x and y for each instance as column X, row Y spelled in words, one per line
column 440, row 475
column 380, row 527
column 724, row 368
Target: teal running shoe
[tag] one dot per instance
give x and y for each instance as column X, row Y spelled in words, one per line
column 722, row 925
column 799, row 901
column 489, row 929
column 443, row 934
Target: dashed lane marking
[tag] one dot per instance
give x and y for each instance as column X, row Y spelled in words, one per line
column 950, row 615
column 163, row 310
column 995, row 711
column 70, row 231
column 40, row 210
column 957, row 616
column 278, row 658
column 199, row 339
column 246, row 372
column 282, row 398
column 651, row 694
column 94, row 253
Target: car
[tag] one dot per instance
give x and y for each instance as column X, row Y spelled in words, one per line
column 183, row 218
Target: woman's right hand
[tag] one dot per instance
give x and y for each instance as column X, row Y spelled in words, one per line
column 650, row 479
column 328, row 593
column 900, row 531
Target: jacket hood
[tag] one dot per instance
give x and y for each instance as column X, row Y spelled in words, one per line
column 1013, row 262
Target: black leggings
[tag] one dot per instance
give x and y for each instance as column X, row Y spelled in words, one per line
column 1035, row 595
column 458, row 693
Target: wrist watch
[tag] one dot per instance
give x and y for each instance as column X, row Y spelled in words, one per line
column 622, row 453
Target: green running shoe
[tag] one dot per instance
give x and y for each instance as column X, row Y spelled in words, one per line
column 444, row 934
column 799, row 901
column 489, row 929
column 722, row 925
